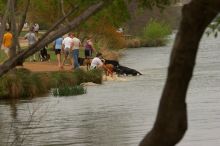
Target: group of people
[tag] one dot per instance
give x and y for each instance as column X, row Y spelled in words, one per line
column 70, row 46
column 31, row 36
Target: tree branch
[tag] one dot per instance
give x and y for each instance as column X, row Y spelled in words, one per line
column 49, row 38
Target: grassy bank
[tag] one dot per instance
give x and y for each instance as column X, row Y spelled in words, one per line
column 21, row 83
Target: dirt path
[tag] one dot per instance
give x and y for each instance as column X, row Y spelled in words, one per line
column 45, row 66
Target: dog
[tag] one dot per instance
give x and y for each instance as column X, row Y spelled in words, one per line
column 43, row 55
column 108, row 68
column 115, row 63
column 123, row 70
column 80, row 61
column 87, row 62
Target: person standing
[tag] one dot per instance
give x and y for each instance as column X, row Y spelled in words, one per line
column 31, row 37
column 66, row 46
column 89, row 48
column 7, row 42
column 58, row 47
column 75, row 50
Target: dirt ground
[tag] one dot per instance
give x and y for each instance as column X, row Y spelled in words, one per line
column 45, row 66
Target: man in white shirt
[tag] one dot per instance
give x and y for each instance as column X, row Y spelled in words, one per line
column 66, row 46
column 75, row 50
column 97, row 62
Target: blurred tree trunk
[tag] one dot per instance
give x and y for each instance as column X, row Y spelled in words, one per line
column 4, row 21
column 171, row 122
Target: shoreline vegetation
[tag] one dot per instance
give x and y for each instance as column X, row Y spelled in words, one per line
column 23, row 83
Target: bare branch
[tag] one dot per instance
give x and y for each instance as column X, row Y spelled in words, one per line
column 23, row 18
column 63, row 11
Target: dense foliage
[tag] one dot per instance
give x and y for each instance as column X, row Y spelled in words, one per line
column 21, row 83
column 155, row 33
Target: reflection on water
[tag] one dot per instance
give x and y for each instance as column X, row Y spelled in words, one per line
column 119, row 113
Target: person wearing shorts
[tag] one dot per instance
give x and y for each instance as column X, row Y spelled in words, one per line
column 66, row 47
column 89, row 48
column 58, row 47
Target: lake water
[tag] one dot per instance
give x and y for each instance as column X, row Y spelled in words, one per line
column 119, row 113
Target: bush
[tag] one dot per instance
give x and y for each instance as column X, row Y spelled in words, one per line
column 69, row 91
column 155, row 33
column 21, row 83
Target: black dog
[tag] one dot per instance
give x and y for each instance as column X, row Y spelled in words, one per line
column 113, row 62
column 123, row 70
column 44, row 56
column 81, row 61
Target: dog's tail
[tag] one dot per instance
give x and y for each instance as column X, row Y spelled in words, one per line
column 140, row 73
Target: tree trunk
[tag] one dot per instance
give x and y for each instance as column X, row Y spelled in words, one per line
column 11, row 63
column 13, row 29
column 63, row 10
column 3, row 23
column 171, row 122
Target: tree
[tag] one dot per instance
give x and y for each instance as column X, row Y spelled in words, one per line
column 171, row 122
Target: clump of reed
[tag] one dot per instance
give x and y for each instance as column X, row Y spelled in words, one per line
column 21, row 83
column 69, row 91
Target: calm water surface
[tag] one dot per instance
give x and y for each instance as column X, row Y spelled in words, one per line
column 119, row 113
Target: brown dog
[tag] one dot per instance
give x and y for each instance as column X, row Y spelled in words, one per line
column 87, row 63
column 108, row 69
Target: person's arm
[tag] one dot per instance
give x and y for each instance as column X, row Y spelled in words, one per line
column 62, row 48
column 71, row 46
column 35, row 37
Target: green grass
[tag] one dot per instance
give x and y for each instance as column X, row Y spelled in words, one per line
column 69, row 91
column 21, row 83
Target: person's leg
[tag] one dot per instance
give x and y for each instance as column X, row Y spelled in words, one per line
column 58, row 54
column 34, row 56
column 65, row 57
column 7, row 52
column 75, row 58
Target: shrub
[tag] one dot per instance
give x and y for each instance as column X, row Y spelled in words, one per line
column 21, row 83
column 155, row 33
column 69, row 91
